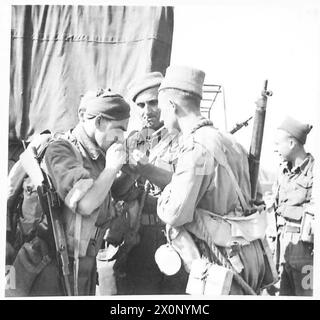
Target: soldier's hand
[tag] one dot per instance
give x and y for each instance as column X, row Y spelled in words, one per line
column 133, row 139
column 260, row 103
column 269, row 200
column 139, row 140
column 139, row 158
column 38, row 141
column 115, row 157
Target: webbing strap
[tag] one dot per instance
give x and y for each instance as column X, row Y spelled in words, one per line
column 77, row 239
column 77, row 236
column 235, row 183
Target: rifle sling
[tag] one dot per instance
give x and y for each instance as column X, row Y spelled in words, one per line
column 77, row 239
column 223, row 162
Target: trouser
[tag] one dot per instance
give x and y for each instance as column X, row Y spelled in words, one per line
column 296, row 262
column 142, row 275
column 253, row 273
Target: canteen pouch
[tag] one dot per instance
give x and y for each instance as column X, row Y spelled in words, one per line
column 218, row 281
column 197, row 277
column 206, row 278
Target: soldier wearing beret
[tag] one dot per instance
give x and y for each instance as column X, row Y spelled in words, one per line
column 152, row 160
column 211, row 179
column 83, row 164
column 293, row 195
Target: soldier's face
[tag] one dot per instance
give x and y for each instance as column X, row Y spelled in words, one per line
column 147, row 102
column 108, row 132
column 283, row 145
column 168, row 112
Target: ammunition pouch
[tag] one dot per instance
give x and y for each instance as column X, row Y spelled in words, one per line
column 291, row 227
column 303, row 229
column 307, row 225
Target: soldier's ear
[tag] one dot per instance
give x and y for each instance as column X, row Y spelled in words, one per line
column 173, row 105
column 81, row 115
column 292, row 143
column 98, row 122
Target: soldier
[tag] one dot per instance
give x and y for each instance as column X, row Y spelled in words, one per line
column 83, row 164
column 293, row 194
column 211, row 178
column 154, row 158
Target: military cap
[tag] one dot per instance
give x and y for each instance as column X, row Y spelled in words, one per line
column 183, row 78
column 147, row 81
column 296, row 129
column 106, row 103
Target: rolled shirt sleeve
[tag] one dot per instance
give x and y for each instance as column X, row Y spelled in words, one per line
column 179, row 199
column 71, row 180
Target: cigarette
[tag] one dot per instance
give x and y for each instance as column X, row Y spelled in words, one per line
column 159, row 130
column 24, row 144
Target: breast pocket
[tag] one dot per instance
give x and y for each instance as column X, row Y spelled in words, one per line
column 163, row 164
column 301, row 192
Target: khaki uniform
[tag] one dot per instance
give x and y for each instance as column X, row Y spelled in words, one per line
column 142, row 275
column 293, row 193
column 200, row 181
column 69, row 164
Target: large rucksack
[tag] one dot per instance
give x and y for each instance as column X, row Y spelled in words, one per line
column 25, row 216
column 29, row 241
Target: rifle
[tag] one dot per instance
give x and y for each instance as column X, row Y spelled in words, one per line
column 256, row 141
column 50, row 204
column 238, row 126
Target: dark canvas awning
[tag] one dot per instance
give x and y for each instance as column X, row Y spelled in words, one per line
column 60, row 52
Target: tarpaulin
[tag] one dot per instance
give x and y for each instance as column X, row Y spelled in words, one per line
column 60, row 52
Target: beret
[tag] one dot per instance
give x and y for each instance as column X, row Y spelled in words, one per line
column 184, row 78
column 296, row 129
column 106, row 103
column 147, row 81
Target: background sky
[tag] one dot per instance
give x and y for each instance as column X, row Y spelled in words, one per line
column 239, row 45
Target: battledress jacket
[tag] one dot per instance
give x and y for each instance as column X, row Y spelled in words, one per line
column 73, row 163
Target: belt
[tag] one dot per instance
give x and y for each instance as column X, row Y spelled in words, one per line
column 292, row 227
column 150, row 220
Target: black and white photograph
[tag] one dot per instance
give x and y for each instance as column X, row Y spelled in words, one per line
column 158, row 149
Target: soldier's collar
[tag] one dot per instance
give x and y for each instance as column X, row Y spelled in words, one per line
column 201, row 123
column 188, row 137
column 299, row 168
column 80, row 134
